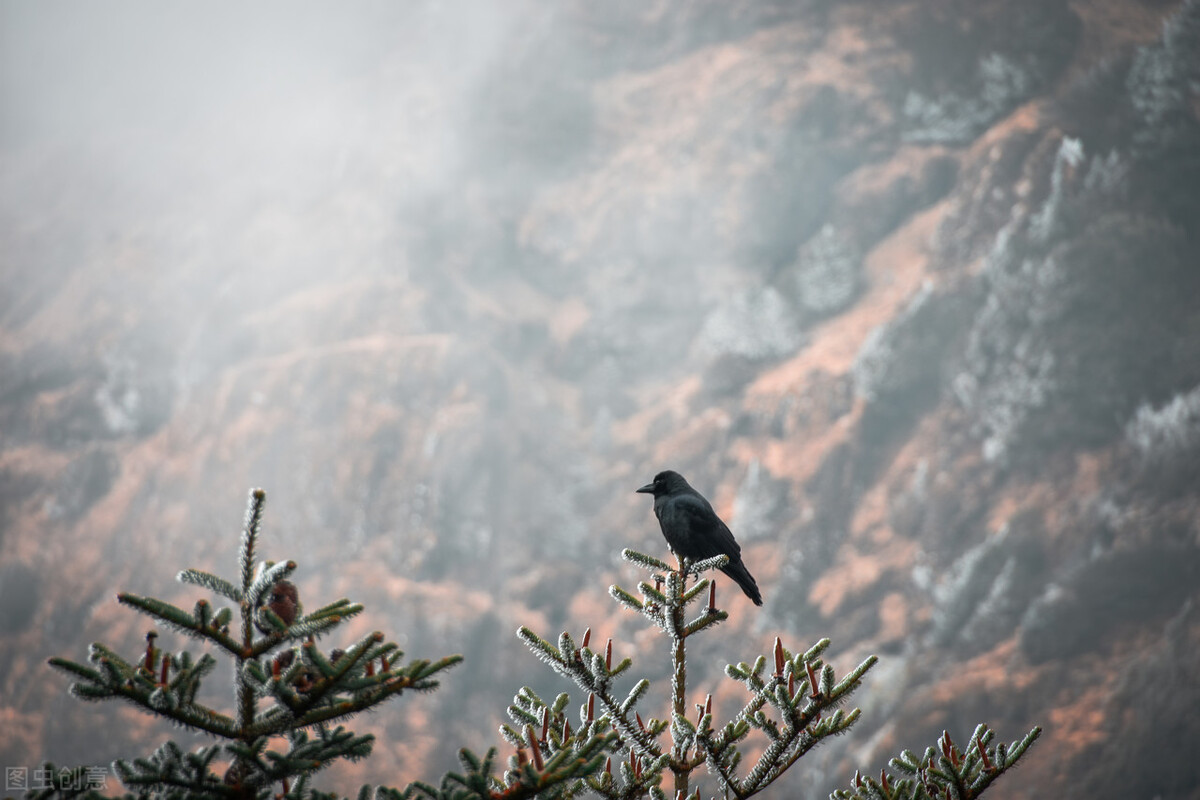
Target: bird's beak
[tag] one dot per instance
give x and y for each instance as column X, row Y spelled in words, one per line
column 647, row 489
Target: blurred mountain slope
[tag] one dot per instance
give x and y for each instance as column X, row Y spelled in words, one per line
column 906, row 289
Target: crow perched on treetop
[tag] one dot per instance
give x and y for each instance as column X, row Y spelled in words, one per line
column 694, row 531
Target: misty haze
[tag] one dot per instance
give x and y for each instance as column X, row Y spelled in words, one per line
column 907, row 290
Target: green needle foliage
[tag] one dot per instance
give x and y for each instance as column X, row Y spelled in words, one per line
column 568, row 761
column 285, row 686
column 795, row 707
column 290, row 696
column 943, row 772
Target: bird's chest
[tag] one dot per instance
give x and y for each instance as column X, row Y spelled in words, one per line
column 676, row 525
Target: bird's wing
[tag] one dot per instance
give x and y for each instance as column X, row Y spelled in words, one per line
column 707, row 535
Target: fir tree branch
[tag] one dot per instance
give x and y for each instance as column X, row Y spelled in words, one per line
column 305, row 756
column 592, row 674
column 332, row 678
column 191, row 715
column 267, row 578
column 309, row 692
column 562, row 776
column 211, row 582
column 645, row 561
column 943, row 771
column 651, row 594
column 78, row 670
column 798, row 709
column 627, row 599
column 342, row 694
column 178, row 619
column 250, row 528
column 701, row 585
column 704, row 621
column 339, row 609
column 170, row 768
column 117, row 678
column 705, row 565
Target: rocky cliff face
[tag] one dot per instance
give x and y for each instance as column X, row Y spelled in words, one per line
column 907, row 289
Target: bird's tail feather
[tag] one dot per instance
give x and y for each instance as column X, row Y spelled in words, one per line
column 737, row 570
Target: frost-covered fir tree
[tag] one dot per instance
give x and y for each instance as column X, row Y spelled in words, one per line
column 794, row 699
column 286, row 687
column 290, row 699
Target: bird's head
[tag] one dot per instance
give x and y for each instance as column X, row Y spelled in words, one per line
column 664, row 483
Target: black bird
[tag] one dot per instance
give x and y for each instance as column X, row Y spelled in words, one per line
column 694, row 531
